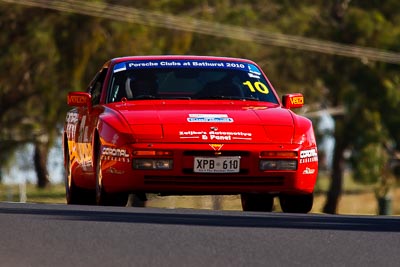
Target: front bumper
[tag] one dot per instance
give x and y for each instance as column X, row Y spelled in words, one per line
column 119, row 174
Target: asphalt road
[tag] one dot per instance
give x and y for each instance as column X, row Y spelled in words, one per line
column 60, row 235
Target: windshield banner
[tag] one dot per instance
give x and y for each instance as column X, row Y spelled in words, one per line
column 186, row 64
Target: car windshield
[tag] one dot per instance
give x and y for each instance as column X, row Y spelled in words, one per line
column 188, row 79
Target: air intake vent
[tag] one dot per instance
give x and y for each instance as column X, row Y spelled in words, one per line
column 214, row 180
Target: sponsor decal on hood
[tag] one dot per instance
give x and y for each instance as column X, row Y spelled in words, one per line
column 221, row 118
column 215, row 135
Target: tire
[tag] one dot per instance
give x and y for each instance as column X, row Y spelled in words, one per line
column 74, row 194
column 296, row 203
column 102, row 197
column 257, row 202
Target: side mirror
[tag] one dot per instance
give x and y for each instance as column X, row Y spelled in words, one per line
column 293, row 101
column 79, row 99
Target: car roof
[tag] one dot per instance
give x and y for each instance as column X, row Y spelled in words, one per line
column 177, row 57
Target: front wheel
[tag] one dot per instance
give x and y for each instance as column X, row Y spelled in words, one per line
column 74, row 194
column 257, row 202
column 104, row 198
column 296, row 203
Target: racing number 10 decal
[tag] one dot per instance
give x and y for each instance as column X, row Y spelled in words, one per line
column 259, row 86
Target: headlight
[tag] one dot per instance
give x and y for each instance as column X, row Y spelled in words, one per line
column 278, row 164
column 152, row 164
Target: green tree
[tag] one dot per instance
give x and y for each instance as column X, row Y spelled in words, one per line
column 29, row 60
column 359, row 87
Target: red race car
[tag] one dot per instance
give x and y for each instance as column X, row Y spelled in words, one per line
column 188, row 125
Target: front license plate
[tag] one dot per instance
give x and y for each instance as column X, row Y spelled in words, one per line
column 217, row 165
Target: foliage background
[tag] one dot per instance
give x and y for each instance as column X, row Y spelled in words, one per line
column 46, row 53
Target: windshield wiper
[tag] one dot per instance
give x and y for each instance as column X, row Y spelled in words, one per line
column 145, row 97
column 230, row 97
column 251, row 98
column 179, row 97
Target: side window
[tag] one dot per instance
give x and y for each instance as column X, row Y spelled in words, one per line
column 97, row 85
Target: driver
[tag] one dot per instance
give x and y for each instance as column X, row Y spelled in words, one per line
column 141, row 85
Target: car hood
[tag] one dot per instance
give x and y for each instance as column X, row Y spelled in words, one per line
column 211, row 122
